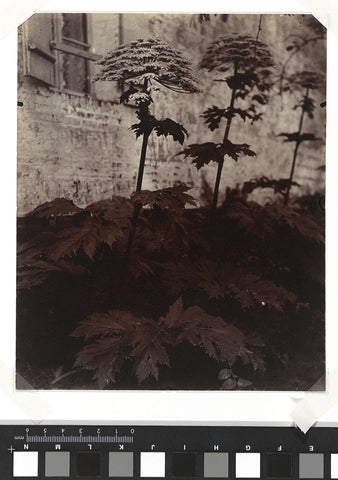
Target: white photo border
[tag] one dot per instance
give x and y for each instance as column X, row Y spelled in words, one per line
column 157, row 407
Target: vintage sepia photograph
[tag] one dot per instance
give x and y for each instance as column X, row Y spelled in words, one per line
column 171, row 202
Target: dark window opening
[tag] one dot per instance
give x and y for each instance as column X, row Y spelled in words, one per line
column 74, row 26
column 75, row 69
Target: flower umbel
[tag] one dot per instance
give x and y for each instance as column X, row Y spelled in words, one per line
column 149, row 59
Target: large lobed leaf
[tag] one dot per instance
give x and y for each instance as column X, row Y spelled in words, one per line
column 204, row 153
column 62, row 230
column 214, row 115
column 117, row 210
column 171, row 198
column 36, row 271
column 60, row 207
column 105, row 324
column 229, row 280
column 220, row 340
column 164, row 127
column 130, row 336
column 304, row 225
column 169, row 127
column 85, row 238
column 250, row 290
column 265, row 222
column 118, row 336
column 234, row 150
column 105, row 357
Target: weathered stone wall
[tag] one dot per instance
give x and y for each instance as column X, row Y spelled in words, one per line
column 79, row 147
column 72, row 146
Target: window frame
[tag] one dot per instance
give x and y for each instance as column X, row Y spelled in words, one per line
column 59, row 45
column 78, row 49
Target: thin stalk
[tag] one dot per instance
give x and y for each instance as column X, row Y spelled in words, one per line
column 137, row 208
column 142, row 161
column 287, row 194
column 226, row 135
column 144, row 146
column 258, row 32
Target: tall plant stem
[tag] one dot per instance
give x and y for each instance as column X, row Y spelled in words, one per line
column 137, row 208
column 143, row 108
column 220, row 165
column 142, row 161
column 258, row 31
column 286, row 198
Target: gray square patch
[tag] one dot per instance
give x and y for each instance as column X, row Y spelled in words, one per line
column 216, row 465
column 311, row 465
column 57, row 464
column 121, row 464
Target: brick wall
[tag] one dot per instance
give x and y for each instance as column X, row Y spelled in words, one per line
column 79, row 147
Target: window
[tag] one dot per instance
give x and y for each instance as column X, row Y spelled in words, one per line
column 75, row 68
column 58, row 50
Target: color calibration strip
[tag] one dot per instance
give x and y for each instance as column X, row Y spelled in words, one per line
column 145, row 452
column 180, row 464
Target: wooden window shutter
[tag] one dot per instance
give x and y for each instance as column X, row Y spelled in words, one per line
column 40, row 60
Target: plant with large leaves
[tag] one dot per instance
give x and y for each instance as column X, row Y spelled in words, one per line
column 247, row 65
column 138, row 64
column 304, row 82
column 264, row 285
column 114, row 336
column 58, row 236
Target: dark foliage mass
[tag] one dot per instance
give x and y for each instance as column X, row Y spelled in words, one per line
column 228, row 297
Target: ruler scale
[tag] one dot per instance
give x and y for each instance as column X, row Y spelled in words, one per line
column 80, row 439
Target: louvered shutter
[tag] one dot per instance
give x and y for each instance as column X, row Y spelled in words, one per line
column 40, row 60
